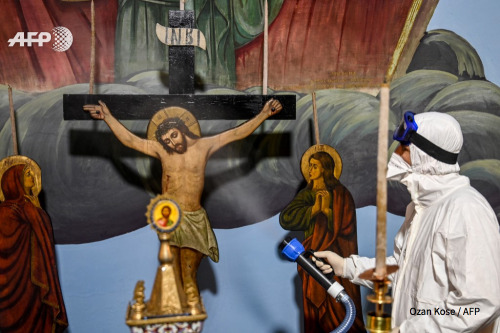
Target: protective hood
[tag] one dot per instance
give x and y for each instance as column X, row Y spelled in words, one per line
column 442, row 130
column 397, row 168
column 428, row 179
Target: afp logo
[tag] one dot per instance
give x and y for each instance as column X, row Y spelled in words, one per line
column 61, row 38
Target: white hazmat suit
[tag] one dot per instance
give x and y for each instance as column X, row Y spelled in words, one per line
column 448, row 248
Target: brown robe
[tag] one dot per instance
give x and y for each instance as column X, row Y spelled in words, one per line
column 337, row 232
column 30, row 294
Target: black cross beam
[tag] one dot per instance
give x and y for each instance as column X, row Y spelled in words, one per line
column 203, row 107
column 180, row 58
column 181, row 89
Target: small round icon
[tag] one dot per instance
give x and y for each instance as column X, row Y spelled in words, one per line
column 63, row 38
column 164, row 215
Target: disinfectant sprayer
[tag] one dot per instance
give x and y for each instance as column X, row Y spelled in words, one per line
column 294, row 251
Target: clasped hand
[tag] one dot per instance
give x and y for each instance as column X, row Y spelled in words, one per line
column 322, row 202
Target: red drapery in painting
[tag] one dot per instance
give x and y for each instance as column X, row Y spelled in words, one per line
column 319, row 44
column 40, row 68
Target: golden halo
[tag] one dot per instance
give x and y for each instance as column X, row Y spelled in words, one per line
column 304, row 163
column 173, row 112
column 10, row 161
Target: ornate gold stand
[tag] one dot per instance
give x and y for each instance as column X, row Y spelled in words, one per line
column 378, row 321
column 167, row 306
column 167, row 296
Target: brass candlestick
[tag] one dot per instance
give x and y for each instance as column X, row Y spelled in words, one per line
column 379, row 321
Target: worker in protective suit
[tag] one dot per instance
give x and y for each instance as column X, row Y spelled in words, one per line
column 448, row 248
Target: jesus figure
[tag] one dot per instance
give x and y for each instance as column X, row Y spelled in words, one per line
column 183, row 156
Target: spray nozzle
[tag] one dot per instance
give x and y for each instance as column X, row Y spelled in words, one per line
column 294, row 251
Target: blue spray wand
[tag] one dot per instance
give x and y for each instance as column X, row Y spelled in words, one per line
column 293, row 250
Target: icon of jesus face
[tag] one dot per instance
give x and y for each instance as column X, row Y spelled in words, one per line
column 165, row 212
column 165, row 215
column 175, row 140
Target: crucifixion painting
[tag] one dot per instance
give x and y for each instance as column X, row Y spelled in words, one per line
column 174, row 138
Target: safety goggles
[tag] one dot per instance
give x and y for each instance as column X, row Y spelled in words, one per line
column 406, row 133
column 405, row 130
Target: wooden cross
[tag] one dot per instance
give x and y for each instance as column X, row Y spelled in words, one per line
column 181, row 90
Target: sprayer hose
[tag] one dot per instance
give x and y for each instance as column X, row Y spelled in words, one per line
column 350, row 312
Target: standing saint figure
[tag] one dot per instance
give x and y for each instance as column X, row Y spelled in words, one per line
column 325, row 211
column 183, row 154
column 30, row 294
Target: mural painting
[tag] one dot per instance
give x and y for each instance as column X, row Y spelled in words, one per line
column 85, row 164
column 249, row 164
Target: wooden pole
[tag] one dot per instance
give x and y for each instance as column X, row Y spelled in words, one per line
column 92, row 48
column 380, row 265
column 13, row 122
column 266, row 49
column 181, row 4
column 315, row 115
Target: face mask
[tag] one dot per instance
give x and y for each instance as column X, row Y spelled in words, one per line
column 397, row 168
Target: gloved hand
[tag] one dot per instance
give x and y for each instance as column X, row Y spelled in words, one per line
column 336, row 262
